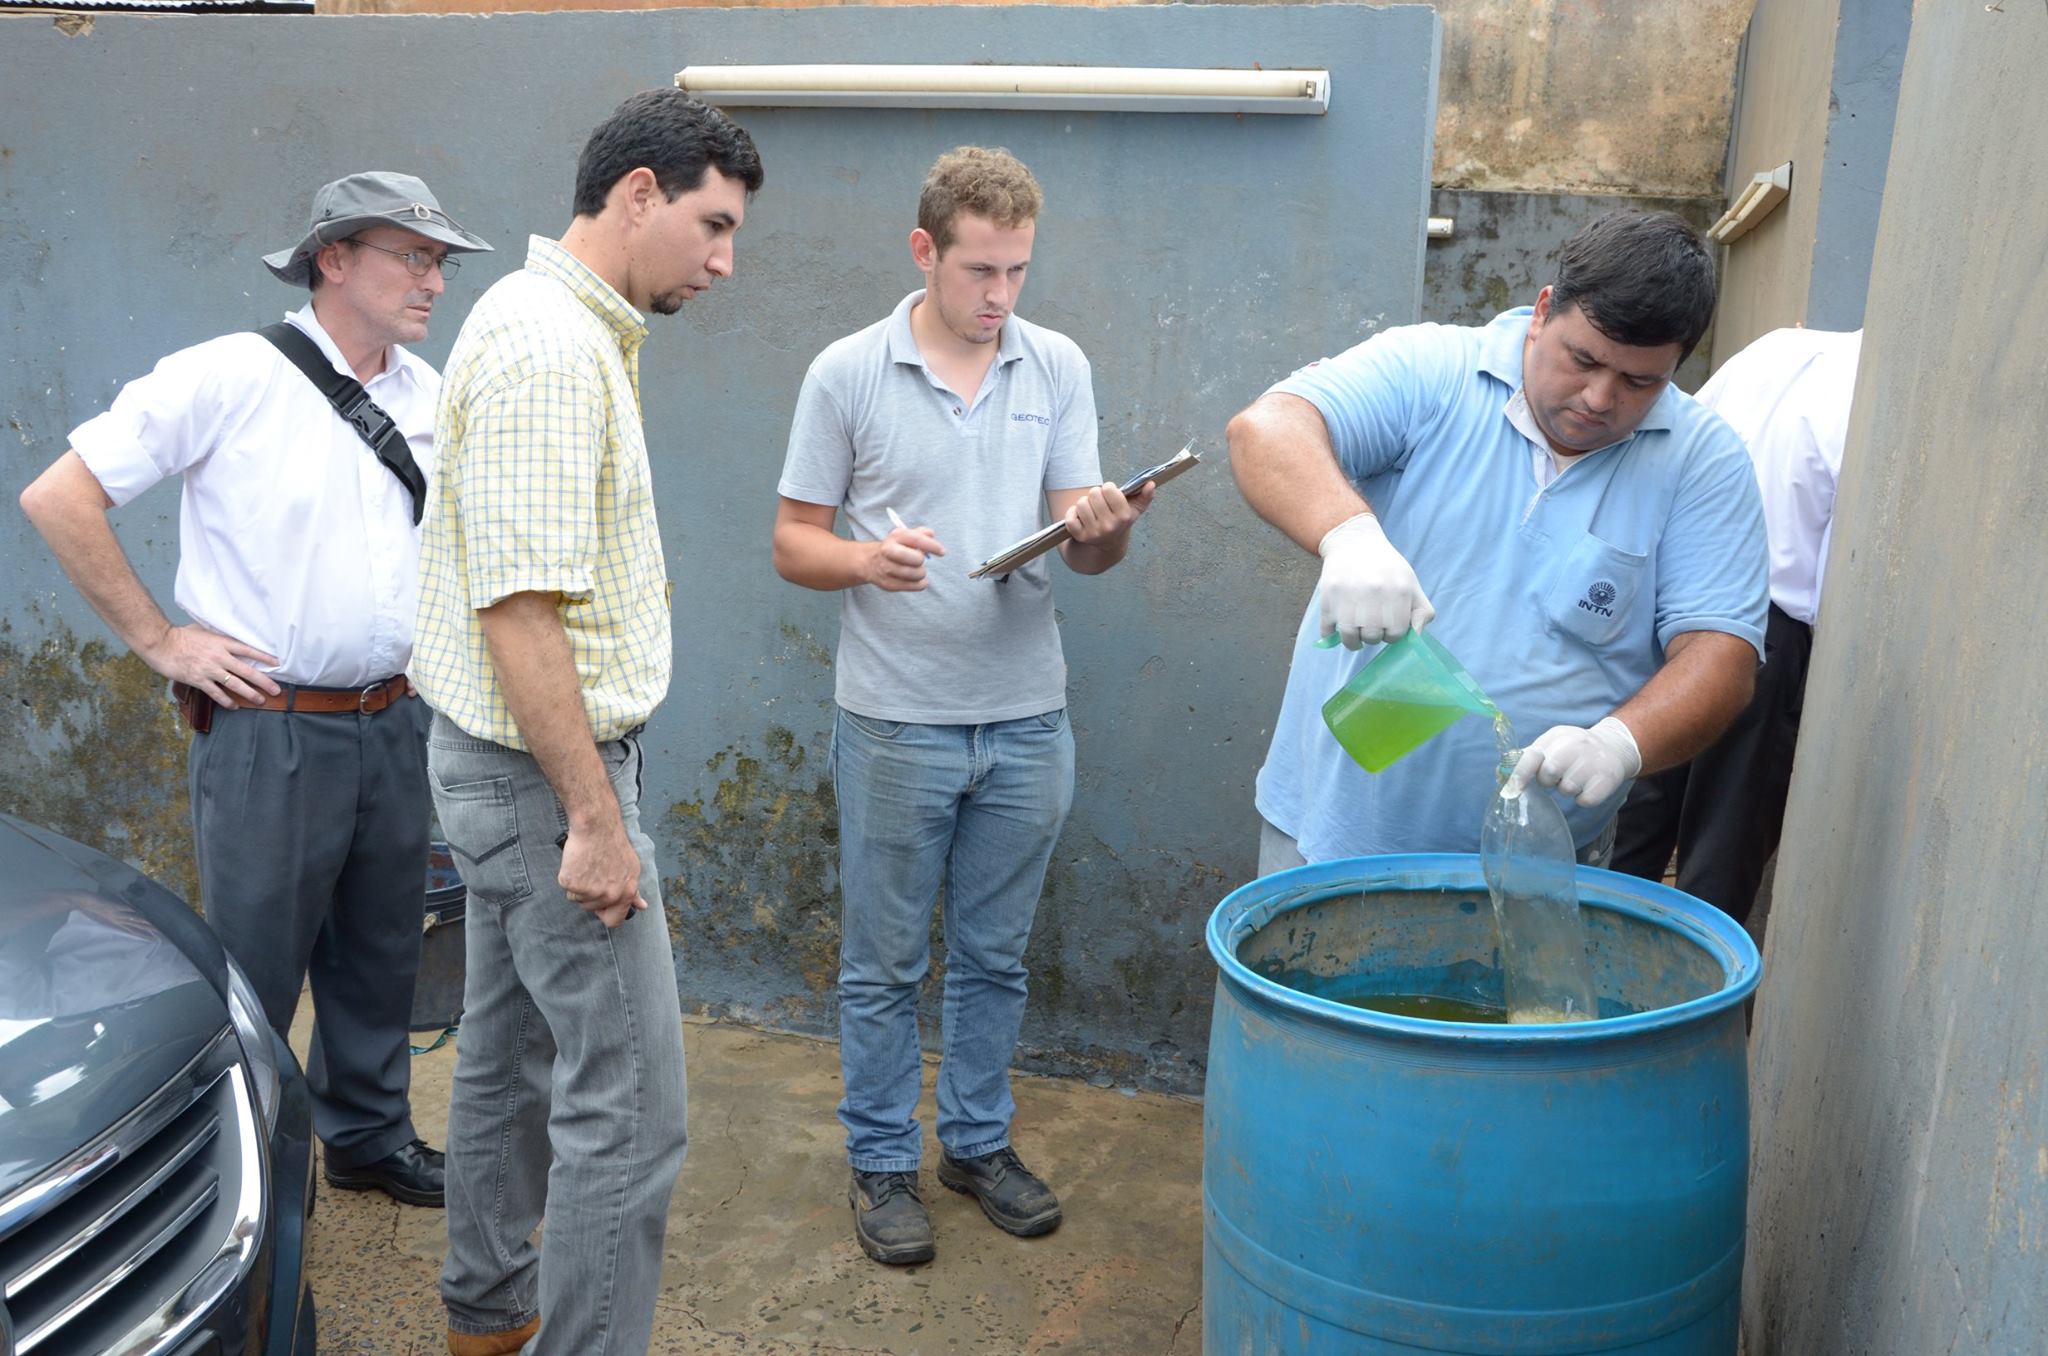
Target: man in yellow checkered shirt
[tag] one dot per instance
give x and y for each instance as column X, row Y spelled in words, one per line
column 543, row 646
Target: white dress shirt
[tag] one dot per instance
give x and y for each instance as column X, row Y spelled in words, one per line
column 293, row 537
column 1787, row 395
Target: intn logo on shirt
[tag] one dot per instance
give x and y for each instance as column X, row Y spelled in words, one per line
column 1600, row 598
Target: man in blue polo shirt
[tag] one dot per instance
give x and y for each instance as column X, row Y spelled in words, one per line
column 951, row 754
column 1583, row 536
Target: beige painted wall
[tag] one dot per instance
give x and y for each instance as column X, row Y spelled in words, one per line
column 1557, row 96
column 1788, row 70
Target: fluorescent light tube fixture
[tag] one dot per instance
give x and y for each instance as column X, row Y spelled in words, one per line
column 1090, row 89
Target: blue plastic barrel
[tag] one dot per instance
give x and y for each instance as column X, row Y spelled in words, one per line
column 1376, row 1184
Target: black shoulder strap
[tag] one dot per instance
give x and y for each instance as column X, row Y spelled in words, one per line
column 354, row 405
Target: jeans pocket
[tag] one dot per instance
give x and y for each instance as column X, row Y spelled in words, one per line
column 623, row 767
column 874, row 729
column 1052, row 720
column 481, row 822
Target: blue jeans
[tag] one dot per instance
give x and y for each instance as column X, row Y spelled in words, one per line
column 981, row 807
column 569, row 1093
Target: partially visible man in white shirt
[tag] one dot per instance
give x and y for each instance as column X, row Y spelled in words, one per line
column 298, row 560
column 1787, row 395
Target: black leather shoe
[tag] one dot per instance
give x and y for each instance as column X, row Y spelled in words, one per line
column 889, row 1219
column 415, row 1175
column 1011, row 1195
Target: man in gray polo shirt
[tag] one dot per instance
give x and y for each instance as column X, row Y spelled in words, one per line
column 951, row 755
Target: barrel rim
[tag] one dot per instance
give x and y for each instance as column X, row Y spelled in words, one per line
column 1255, row 904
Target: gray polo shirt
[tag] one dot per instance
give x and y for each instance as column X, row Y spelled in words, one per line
column 876, row 429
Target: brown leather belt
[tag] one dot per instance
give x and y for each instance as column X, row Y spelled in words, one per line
column 366, row 700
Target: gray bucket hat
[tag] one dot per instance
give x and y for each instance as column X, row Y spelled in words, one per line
column 376, row 197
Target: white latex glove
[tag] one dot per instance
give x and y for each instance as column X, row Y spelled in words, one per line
column 1369, row 590
column 1588, row 765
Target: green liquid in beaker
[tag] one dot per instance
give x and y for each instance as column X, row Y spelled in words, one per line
column 1407, row 694
column 1376, row 731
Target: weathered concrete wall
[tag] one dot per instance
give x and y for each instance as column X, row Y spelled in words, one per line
column 145, row 166
column 1587, row 96
column 1900, row 1201
column 1818, row 87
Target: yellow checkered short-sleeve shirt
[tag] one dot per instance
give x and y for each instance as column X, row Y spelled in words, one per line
column 542, row 486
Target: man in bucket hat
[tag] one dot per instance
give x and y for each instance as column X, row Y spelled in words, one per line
column 344, row 209
column 298, row 562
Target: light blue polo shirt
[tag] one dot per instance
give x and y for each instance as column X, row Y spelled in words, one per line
column 875, row 428
column 1558, row 599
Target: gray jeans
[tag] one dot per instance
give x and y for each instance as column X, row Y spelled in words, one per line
column 569, row 1092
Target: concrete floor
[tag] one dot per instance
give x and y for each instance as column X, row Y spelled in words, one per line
column 761, row 1258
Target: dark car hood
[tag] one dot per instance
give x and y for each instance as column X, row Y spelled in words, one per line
column 108, row 986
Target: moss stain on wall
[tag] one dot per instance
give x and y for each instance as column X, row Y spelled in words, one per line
column 756, row 883
column 93, row 749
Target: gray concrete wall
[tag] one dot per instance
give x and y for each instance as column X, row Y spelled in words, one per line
column 1582, row 107
column 146, row 164
column 1624, row 97
column 1900, row 1175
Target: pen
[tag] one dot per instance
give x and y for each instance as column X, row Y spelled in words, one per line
column 897, row 519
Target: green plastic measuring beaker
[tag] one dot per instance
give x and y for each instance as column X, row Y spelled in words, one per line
column 1409, row 692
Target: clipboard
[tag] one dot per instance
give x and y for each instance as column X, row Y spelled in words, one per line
column 1055, row 532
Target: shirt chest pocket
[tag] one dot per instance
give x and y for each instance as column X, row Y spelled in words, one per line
column 1600, row 593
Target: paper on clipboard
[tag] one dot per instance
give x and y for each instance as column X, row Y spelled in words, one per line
column 1055, row 532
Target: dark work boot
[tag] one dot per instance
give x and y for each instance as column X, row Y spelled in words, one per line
column 415, row 1175
column 1011, row 1195
column 889, row 1218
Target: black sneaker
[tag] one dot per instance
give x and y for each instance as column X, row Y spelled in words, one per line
column 889, row 1218
column 1011, row 1195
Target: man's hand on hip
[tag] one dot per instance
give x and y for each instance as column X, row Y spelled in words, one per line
column 1589, row 765
column 1369, row 590
column 601, row 873
column 220, row 666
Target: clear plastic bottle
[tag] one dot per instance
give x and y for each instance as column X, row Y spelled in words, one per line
column 1531, row 869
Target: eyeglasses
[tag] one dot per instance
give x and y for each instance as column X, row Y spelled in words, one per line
column 419, row 263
